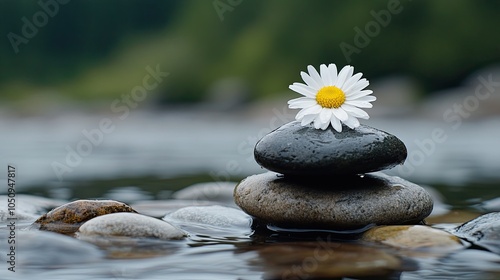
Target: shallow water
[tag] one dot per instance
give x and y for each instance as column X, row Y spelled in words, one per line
column 240, row 252
column 145, row 164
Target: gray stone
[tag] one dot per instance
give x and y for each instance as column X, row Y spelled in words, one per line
column 214, row 215
column 299, row 150
column 483, row 231
column 212, row 223
column 129, row 225
column 342, row 203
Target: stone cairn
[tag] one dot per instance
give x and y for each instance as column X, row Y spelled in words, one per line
column 322, row 179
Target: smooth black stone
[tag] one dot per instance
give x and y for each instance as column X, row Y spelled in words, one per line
column 297, row 150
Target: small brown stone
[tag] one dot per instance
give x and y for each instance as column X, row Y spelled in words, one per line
column 69, row 217
column 412, row 237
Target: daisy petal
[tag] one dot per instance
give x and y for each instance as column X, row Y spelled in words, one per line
column 360, row 104
column 354, row 111
column 336, row 123
column 301, row 105
column 369, row 98
column 361, row 84
column 309, row 81
column 344, row 74
column 333, row 73
column 358, row 94
column 299, row 99
column 303, row 89
column 314, row 74
column 325, row 125
column 352, row 80
column 316, row 109
column 340, row 114
column 325, row 75
column 307, row 119
column 317, row 123
column 325, row 115
column 301, row 102
column 352, row 122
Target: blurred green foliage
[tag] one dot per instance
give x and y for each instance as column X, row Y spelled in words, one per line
column 99, row 49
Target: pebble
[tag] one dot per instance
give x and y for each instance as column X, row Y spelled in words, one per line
column 214, row 215
column 333, row 204
column 413, row 237
column 216, row 221
column 483, row 231
column 69, row 217
column 129, row 225
column 298, row 150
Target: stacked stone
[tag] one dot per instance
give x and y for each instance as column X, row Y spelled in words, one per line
column 322, row 179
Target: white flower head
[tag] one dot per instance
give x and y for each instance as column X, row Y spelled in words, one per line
column 331, row 98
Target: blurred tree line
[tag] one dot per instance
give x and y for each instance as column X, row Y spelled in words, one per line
column 93, row 48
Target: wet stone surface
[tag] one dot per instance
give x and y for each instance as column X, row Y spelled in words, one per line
column 333, row 204
column 129, row 225
column 299, row 150
column 415, row 237
column 483, row 231
column 220, row 222
column 69, row 217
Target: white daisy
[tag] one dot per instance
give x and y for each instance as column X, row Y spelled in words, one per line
column 330, row 98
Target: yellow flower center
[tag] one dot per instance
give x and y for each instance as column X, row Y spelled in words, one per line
column 330, row 97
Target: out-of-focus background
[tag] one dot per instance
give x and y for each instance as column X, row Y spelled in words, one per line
column 136, row 92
